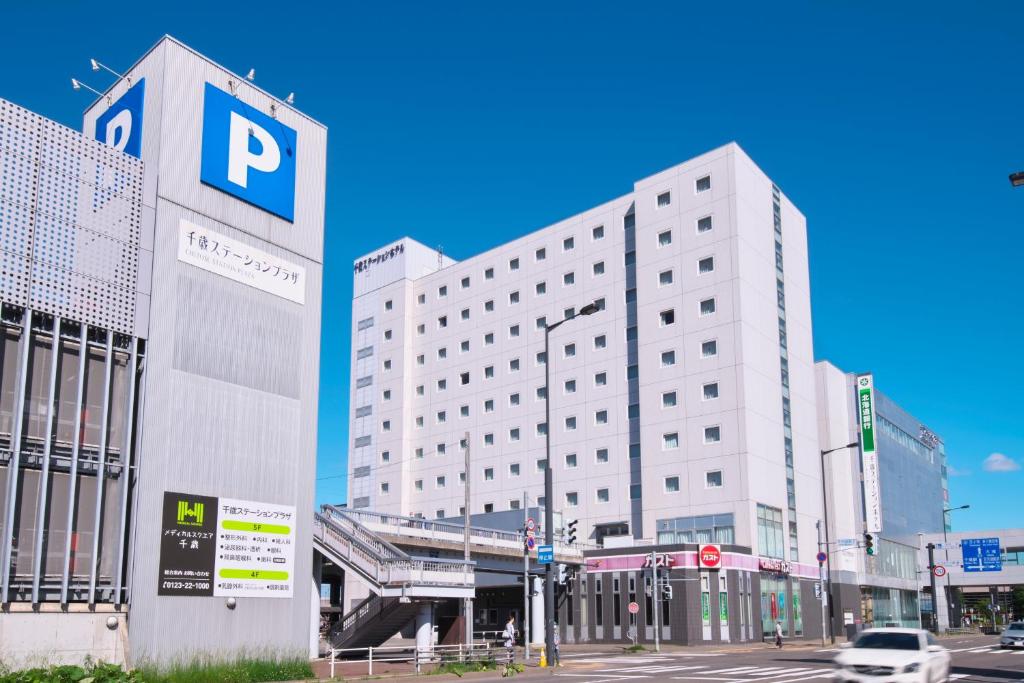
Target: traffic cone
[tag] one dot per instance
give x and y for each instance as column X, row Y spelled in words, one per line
column 543, row 658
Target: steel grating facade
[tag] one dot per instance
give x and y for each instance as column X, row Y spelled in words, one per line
column 70, row 222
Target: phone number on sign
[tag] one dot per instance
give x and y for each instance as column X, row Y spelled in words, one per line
column 187, row 585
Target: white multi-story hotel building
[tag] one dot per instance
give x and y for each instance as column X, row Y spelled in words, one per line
column 684, row 410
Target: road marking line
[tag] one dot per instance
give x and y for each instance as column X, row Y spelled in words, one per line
column 657, row 668
column 820, row 674
column 605, row 677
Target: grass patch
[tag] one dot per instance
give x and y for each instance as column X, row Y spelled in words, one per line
column 635, row 648
column 241, row 671
column 461, row 668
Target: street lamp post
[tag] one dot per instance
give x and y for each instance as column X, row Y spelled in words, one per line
column 828, row 549
column 549, row 494
column 945, row 548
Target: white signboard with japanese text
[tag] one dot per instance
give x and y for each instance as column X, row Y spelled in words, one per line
column 255, row 549
column 869, row 453
column 235, row 260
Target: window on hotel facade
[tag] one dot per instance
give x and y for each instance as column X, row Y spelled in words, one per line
column 712, row 434
column 540, row 288
column 701, row 529
column 671, row 484
column 664, row 199
column 706, row 265
column 670, row 441
column 713, row 479
column 703, row 184
column 513, row 264
column 667, row 318
column 568, row 244
column 599, row 268
column 665, row 278
column 464, row 283
column 597, row 233
column 668, row 358
column 540, row 254
column 709, row 348
column 489, row 274
column 664, row 238
column 513, row 297
column 769, row 532
column 704, row 224
column 601, row 455
column 710, row 391
column 707, row 307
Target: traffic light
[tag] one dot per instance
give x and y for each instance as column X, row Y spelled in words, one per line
column 869, row 544
column 563, row 574
column 572, row 532
column 666, row 591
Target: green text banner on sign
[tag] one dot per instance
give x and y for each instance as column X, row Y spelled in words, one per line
column 869, row 454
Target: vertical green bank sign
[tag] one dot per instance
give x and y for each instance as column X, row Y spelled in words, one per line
column 869, row 453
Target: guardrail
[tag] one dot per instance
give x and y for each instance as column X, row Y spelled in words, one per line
column 417, row 657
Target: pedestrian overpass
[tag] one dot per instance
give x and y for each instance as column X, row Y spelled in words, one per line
column 409, row 564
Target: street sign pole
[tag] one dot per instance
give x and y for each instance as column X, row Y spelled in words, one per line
column 821, row 590
column 935, row 598
column 526, row 577
column 656, row 601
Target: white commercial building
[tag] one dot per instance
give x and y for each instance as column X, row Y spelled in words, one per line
column 682, row 411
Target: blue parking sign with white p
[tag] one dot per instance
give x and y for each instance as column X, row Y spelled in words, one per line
column 545, row 554
column 120, row 126
column 248, row 154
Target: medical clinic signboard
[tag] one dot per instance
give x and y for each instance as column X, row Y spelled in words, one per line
column 869, row 453
column 225, row 547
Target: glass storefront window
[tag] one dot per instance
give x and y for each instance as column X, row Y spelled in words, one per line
column 773, row 604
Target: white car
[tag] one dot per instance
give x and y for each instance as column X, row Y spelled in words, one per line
column 903, row 655
column 1013, row 636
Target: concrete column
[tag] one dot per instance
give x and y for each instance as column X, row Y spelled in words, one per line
column 425, row 627
column 537, row 613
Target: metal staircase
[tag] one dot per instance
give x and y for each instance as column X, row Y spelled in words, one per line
column 371, row 622
column 396, row 578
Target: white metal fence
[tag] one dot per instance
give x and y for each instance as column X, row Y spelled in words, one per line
column 419, row 657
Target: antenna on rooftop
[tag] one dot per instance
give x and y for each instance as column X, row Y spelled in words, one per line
column 440, row 257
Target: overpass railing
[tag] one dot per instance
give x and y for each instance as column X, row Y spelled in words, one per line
column 415, row 527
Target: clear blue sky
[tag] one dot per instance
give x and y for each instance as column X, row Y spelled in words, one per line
column 893, row 128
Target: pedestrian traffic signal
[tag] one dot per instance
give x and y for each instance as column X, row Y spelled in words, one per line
column 572, row 532
column 563, row 574
column 666, row 591
column 869, row 544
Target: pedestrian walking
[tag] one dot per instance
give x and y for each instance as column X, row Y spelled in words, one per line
column 510, row 637
column 778, row 634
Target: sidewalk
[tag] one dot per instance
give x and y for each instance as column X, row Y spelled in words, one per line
column 383, row 670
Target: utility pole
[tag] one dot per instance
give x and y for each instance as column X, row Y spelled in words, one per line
column 656, row 601
column 821, row 587
column 526, row 577
column 935, row 598
column 467, row 603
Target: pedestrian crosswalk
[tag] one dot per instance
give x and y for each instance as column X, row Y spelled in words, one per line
column 988, row 649
column 706, row 672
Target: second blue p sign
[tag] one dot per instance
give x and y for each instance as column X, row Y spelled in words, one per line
column 248, row 154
